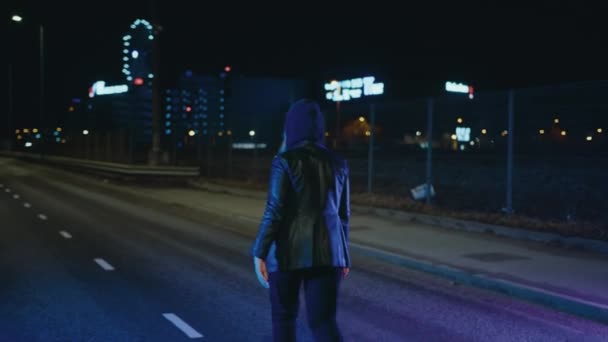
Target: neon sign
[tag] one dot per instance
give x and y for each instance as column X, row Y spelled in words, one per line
column 454, row 87
column 353, row 89
column 99, row 88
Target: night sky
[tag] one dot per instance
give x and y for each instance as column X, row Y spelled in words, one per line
column 415, row 48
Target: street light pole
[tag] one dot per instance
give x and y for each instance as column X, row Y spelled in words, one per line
column 9, row 137
column 42, row 124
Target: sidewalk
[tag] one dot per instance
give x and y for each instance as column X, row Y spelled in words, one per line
column 568, row 280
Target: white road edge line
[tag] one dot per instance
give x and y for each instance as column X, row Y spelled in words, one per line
column 104, row 264
column 27, row 205
column 183, row 326
column 42, row 217
column 65, row 234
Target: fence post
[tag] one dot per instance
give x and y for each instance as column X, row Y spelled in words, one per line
column 510, row 137
column 429, row 149
column 370, row 161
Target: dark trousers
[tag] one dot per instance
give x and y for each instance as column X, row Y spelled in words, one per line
column 321, row 294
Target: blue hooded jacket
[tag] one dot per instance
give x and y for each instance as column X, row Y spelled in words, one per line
column 306, row 220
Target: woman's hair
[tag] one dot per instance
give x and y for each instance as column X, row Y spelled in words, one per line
column 304, row 122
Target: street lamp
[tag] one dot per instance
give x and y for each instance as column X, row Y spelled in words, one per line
column 18, row 19
column 252, row 133
column 85, row 132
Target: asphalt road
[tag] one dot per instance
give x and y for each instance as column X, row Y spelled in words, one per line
column 81, row 265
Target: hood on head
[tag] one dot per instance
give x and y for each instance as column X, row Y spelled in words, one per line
column 304, row 122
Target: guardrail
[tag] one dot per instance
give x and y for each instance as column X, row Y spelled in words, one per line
column 109, row 169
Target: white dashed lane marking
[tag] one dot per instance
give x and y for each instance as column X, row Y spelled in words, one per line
column 27, row 205
column 65, row 234
column 183, row 326
column 104, row 264
column 16, row 196
column 42, row 217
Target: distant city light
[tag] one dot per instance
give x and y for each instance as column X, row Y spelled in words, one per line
column 227, row 68
column 28, row 144
column 38, row 136
column 57, row 139
column 229, row 132
column 85, row 132
column 17, row 131
column 459, row 120
column 599, row 130
column 35, row 130
column 541, row 131
column 134, row 54
column 17, row 18
column 589, row 138
column 472, row 143
column 563, row 133
column 463, row 134
column 151, row 37
column 138, row 81
column 504, row 133
column 484, row 131
column 556, row 120
column 252, row 133
column 127, row 43
column 19, row 137
column 454, row 137
column 418, row 133
column 129, row 78
column 362, row 119
column 454, row 87
column 220, row 133
column 368, row 133
column 63, row 141
column 188, row 109
column 326, row 134
column 248, row 146
column 99, row 88
column 26, row 130
column 71, row 108
column 191, row 133
column 150, row 75
column 59, row 129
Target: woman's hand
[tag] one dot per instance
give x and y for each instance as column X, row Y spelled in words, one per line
column 261, row 271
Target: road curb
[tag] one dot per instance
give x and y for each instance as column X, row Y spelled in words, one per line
column 568, row 304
